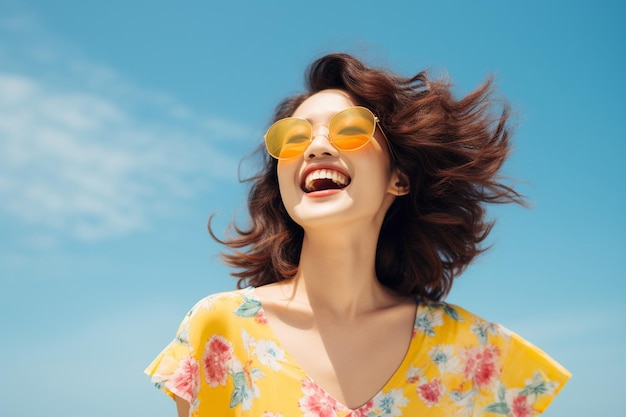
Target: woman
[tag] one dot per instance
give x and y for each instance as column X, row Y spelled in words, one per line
column 371, row 201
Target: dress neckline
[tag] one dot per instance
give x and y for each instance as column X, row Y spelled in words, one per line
column 407, row 359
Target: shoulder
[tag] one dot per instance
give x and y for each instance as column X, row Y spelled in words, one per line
column 221, row 300
column 451, row 323
column 499, row 370
column 454, row 311
column 219, row 311
column 223, row 305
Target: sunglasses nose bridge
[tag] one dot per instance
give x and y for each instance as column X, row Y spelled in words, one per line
column 320, row 132
column 319, row 129
column 319, row 142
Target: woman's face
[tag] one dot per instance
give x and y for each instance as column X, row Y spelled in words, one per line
column 326, row 186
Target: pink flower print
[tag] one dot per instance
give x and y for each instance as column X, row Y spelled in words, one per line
column 260, row 317
column 218, row 353
column 481, row 364
column 186, row 379
column 316, row 402
column 521, row 407
column 363, row 410
column 431, row 392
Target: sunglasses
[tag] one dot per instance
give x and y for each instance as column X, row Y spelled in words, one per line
column 348, row 130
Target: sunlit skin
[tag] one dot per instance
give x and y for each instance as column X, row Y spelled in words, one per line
column 335, row 305
column 364, row 201
column 335, row 316
column 341, row 229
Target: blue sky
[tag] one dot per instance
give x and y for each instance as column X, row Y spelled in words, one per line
column 122, row 125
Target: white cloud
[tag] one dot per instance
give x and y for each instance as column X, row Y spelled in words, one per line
column 88, row 155
column 77, row 161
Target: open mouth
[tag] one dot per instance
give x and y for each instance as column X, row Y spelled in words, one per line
column 324, row 179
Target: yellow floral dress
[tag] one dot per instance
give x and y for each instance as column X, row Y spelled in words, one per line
column 226, row 361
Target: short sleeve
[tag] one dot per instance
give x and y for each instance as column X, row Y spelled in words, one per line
column 530, row 378
column 175, row 371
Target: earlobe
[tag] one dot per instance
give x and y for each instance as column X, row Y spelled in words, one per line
column 399, row 185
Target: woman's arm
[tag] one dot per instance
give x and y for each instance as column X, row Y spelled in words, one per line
column 182, row 406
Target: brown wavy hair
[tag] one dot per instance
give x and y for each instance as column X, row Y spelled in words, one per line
column 451, row 151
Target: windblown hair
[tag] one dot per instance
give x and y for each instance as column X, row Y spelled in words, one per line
column 451, row 152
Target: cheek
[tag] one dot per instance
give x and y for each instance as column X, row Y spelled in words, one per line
column 286, row 173
column 377, row 169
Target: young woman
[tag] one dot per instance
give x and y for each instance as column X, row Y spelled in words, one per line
column 371, row 202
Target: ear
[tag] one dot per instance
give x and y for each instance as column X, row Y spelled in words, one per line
column 399, row 184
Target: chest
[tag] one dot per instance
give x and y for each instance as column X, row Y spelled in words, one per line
column 351, row 361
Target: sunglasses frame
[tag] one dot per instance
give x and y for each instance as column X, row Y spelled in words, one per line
column 330, row 139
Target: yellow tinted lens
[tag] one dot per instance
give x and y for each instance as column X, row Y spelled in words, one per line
column 352, row 128
column 288, row 138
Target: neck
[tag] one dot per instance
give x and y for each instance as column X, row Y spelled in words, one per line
column 337, row 274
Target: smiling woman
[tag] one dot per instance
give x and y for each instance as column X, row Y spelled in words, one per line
column 370, row 203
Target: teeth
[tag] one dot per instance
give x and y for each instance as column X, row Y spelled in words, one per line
column 325, row 174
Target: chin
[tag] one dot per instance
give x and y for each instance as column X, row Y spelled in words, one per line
column 321, row 214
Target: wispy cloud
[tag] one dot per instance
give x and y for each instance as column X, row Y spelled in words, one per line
column 85, row 154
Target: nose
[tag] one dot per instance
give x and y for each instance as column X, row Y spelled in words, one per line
column 320, row 144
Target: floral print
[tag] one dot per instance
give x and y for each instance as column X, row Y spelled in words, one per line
column 481, row 364
column 427, row 320
column 519, row 403
column 269, row 354
column 186, row 379
column 316, row 402
column 390, row 403
column 431, row 392
column 217, row 356
column 443, row 357
column 245, row 387
column 226, row 360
